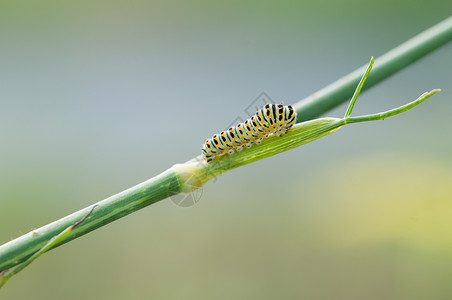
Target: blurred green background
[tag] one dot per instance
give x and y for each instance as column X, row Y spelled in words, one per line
column 97, row 96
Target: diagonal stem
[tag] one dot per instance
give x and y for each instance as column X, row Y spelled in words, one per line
column 320, row 102
column 358, row 89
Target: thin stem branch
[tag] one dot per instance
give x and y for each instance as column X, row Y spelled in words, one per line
column 392, row 112
column 358, row 89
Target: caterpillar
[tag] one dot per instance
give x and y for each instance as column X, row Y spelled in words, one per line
column 272, row 119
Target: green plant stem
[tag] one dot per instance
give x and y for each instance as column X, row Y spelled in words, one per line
column 170, row 182
column 106, row 211
column 388, row 64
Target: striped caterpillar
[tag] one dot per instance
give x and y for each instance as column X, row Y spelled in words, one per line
column 271, row 119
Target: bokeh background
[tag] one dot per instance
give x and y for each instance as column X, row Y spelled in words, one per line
column 97, row 96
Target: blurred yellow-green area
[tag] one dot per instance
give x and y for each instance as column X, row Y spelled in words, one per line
column 97, row 96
